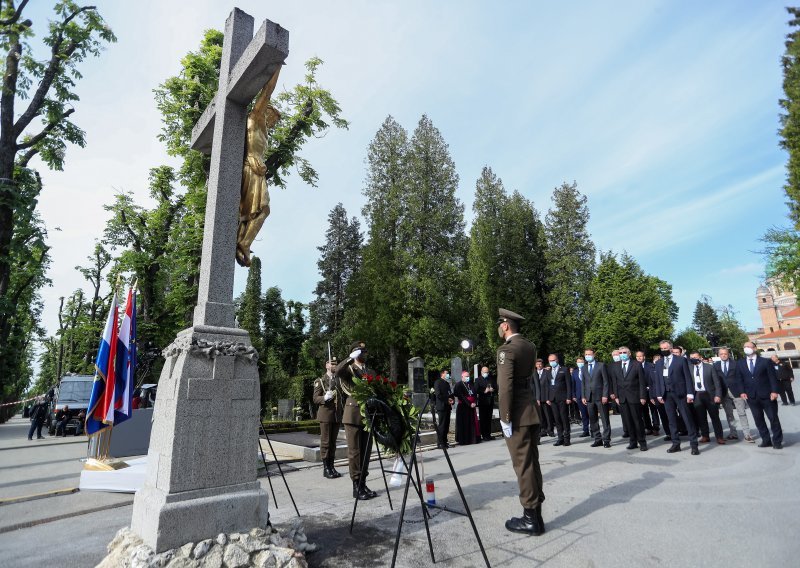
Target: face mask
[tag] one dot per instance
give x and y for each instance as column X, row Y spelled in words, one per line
column 748, row 351
column 694, row 361
column 447, row 376
column 616, row 358
column 666, row 352
column 485, row 375
column 554, row 364
column 580, row 365
column 589, row 358
column 466, row 379
column 624, row 356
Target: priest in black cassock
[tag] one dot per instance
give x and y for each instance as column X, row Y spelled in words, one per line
column 467, row 428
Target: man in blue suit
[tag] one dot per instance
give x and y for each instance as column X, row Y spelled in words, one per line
column 756, row 382
column 674, row 388
column 577, row 395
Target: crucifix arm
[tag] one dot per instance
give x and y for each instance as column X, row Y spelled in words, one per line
column 263, row 98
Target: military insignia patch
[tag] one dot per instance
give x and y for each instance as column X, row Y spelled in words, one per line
column 502, row 357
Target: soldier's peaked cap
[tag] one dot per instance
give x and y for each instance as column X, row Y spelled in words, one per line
column 506, row 315
column 358, row 345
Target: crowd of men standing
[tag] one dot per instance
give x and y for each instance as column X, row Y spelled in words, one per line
column 677, row 391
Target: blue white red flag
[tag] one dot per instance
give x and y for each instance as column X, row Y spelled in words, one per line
column 126, row 361
column 102, row 399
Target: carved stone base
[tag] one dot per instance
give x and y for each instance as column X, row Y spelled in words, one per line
column 202, row 462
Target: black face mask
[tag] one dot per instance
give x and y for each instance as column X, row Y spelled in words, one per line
column 666, row 352
column 694, row 361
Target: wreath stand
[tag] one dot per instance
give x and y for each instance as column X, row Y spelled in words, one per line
column 413, row 462
column 266, row 468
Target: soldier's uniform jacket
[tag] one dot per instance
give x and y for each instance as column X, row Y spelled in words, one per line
column 345, row 371
column 331, row 410
column 515, row 362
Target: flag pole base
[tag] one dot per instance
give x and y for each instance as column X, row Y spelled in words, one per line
column 104, row 465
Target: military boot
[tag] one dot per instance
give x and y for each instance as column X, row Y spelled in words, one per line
column 527, row 524
column 332, row 470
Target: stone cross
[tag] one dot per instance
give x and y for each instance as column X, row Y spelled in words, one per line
column 201, row 475
column 247, row 64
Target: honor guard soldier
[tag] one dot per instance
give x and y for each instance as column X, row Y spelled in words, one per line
column 329, row 414
column 519, row 420
column 357, row 437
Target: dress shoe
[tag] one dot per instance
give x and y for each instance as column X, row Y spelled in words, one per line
column 732, row 437
column 559, row 443
column 667, row 438
column 584, row 435
column 527, row 524
column 777, row 445
column 721, row 441
column 765, row 445
column 785, row 404
column 630, row 447
column 674, row 448
column 625, row 435
column 606, row 444
column 695, row 451
column 643, row 446
column 704, row 440
column 750, row 439
column 596, row 444
column 567, row 442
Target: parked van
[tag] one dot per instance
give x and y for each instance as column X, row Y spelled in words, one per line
column 73, row 391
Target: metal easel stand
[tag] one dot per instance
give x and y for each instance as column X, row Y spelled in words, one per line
column 426, row 506
column 365, row 461
column 266, row 468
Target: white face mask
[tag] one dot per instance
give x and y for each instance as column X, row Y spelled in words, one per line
column 485, row 375
column 616, row 358
column 748, row 351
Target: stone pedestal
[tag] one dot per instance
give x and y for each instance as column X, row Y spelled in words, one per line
column 202, row 463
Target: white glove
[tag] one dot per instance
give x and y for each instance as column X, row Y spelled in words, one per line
column 506, row 428
column 355, row 354
column 328, row 396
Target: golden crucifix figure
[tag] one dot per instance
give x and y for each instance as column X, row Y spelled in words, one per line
column 254, row 204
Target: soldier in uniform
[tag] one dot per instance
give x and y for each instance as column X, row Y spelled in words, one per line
column 519, row 420
column 329, row 414
column 357, row 437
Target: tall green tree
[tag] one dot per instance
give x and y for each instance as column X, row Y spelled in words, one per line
column 627, row 307
column 36, row 103
column 782, row 249
column 336, row 265
column 378, row 296
column 434, row 247
column 506, row 259
column 706, row 322
column 570, row 256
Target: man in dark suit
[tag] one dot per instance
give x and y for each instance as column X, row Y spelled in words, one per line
column 548, row 422
column 595, row 396
column 707, row 397
column 756, row 382
column 558, row 393
column 726, row 369
column 785, row 377
column 444, row 406
column 486, row 386
column 649, row 413
column 628, row 384
column 675, row 389
column 519, row 421
column 577, row 395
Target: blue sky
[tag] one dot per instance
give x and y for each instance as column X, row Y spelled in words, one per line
column 664, row 113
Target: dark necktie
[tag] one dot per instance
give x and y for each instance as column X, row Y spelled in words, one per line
column 725, row 367
column 591, row 366
column 751, row 366
column 624, row 369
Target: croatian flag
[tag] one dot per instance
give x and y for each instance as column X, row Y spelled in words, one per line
column 126, row 361
column 103, row 387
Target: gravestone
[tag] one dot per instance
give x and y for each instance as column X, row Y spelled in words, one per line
column 286, row 408
column 417, row 382
column 201, row 468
